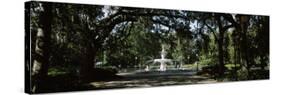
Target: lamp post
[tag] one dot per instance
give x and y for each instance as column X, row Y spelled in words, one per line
column 197, row 67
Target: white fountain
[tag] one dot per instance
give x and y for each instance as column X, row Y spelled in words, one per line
column 163, row 61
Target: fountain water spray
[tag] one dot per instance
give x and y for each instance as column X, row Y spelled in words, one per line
column 163, row 61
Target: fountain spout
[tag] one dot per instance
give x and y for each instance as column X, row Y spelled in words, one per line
column 163, row 52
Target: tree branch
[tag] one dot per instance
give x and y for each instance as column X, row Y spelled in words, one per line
column 165, row 24
column 212, row 30
column 230, row 19
column 227, row 27
column 152, row 13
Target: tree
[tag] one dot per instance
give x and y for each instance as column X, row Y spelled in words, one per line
column 41, row 60
column 221, row 22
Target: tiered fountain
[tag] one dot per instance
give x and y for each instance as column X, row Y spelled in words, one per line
column 163, row 61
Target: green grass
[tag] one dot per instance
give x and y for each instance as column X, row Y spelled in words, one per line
column 231, row 66
column 56, row 72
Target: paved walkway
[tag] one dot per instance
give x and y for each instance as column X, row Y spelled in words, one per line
column 154, row 78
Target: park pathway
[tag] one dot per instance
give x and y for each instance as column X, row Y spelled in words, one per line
column 154, row 78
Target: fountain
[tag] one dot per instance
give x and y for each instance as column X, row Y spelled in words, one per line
column 163, row 61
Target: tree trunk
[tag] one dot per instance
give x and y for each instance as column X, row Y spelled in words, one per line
column 243, row 27
column 221, row 67
column 221, row 55
column 41, row 61
column 237, row 60
column 88, row 63
column 262, row 60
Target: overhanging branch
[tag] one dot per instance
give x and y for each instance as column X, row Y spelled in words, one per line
column 212, row 30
